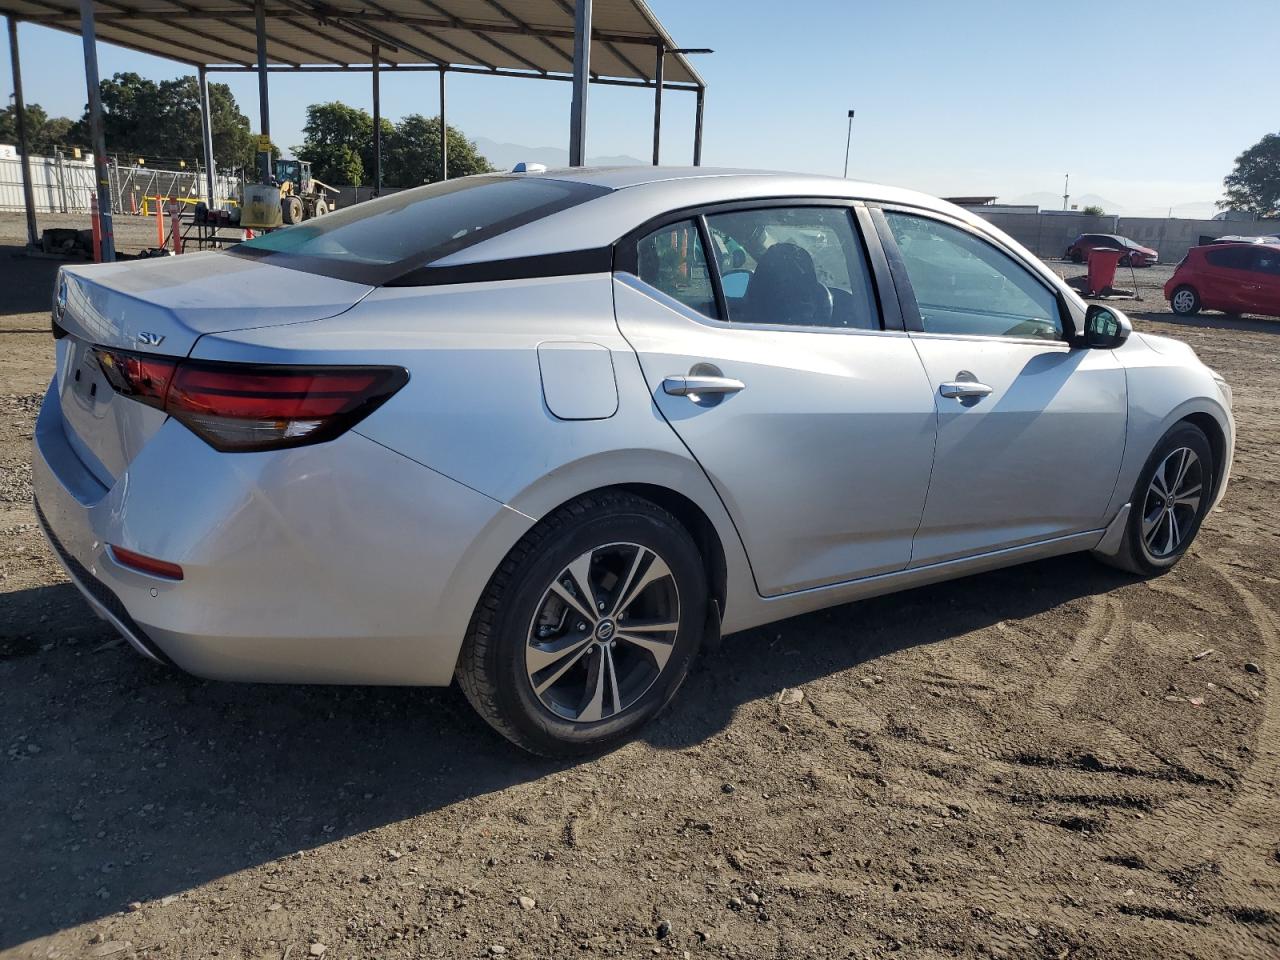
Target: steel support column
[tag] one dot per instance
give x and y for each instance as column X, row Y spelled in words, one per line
column 264, row 107
column 581, row 75
column 377, row 123
column 444, row 133
column 206, row 136
column 657, row 103
column 97, row 136
column 24, row 148
column 697, row 128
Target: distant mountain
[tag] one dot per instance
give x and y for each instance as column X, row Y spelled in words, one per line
column 1192, row 210
column 1049, row 201
column 504, row 156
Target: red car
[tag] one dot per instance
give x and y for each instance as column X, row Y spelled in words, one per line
column 1231, row 277
column 1132, row 253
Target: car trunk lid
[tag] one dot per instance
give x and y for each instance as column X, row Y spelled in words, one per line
column 163, row 306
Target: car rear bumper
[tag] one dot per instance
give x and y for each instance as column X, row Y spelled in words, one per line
column 342, row 562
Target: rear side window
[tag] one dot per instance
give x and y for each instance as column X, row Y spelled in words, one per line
column 796, row 266
column 671, row 259
column 1232, row 258
column 377, row 241
column 1269, row 261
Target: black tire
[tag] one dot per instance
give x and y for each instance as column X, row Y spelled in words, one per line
column 1186, row 305
column 1077, row 256
column 321, row 207
column 1135, row 555
column 291, row 210
column 492, row 666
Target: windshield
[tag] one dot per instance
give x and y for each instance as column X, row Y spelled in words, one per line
column 377, row 241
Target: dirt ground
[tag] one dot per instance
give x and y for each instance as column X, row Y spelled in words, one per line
column 1038, row 762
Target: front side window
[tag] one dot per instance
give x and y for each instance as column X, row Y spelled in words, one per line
column 671, row 259
column 965, row 285
column 798, row 266
column 1268, row 261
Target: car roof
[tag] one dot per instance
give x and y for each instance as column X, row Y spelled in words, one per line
column 624, row 177
column 638, row 194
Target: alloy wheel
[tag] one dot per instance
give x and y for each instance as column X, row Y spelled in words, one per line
column 1184, row 301
column 1172, row 502
column 603, row 632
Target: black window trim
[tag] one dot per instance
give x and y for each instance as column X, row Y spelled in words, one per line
column 906, row 293
column 569, row 263
column 626, row 258
column 713, row 267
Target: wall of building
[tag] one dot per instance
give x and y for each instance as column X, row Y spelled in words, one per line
column 1049, row 234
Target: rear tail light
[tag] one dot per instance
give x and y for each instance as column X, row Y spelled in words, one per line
column 245, row 406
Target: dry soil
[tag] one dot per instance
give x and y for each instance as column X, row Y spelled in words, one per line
column 1055, row 761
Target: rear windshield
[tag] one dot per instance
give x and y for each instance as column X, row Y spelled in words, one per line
column 377, row 241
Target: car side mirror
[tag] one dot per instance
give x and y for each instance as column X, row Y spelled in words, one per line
column 1105, row 328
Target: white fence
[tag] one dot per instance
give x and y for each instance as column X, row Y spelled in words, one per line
column 63, row 185
column 59, row 185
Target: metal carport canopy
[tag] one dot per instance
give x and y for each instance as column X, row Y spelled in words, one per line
column 523, row 37
column 536, row 39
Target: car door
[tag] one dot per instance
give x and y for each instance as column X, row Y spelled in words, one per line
column 1030, row 430
column 808, row 409
column 1267, row 264
column 1230, row 284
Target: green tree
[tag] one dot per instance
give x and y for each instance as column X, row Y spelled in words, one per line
column 1093, row 210
column 161, row 121
column 339, row 143
column 45, row 134
column 1254, row 184
column 411, row 155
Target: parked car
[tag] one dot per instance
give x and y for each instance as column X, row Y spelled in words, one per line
column 1132, row 253
column 519, row 429
column 1264, row 238
column 1231, row 277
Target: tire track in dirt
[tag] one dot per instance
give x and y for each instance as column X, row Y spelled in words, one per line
column 1208, row 829
column 1090, row 651
column 1249, row 826
column 1173, row 800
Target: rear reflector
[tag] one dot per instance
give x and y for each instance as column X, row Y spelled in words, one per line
column 145, row 564
column 244, row 406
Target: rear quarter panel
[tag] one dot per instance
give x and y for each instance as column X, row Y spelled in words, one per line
column 474, row 408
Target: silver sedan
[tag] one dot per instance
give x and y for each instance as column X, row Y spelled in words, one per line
column 549, row 433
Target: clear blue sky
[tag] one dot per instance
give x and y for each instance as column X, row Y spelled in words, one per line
column 1142, row 101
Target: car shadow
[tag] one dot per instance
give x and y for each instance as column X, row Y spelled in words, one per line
column 29, row 288
column 127, row 781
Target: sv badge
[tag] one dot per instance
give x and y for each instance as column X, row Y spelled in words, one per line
column 150, row 339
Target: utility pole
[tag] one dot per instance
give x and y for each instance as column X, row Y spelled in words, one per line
column 847, row 141
column 1066, row 191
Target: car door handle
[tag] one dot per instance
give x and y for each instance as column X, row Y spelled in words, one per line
column 964, row 389
column 684, row 386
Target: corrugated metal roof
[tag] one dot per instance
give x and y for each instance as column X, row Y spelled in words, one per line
column 533, row 37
